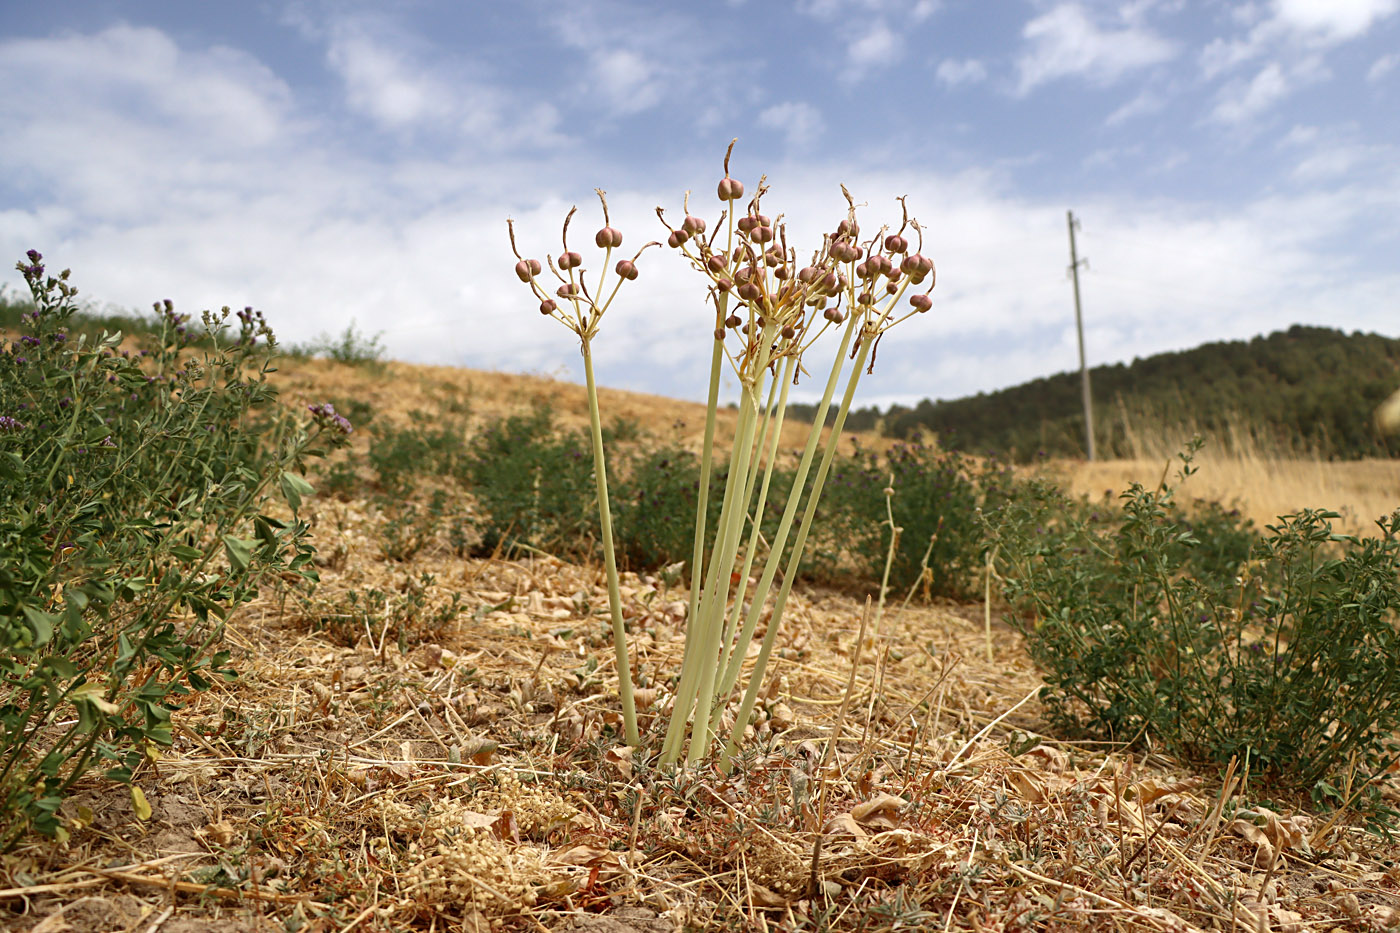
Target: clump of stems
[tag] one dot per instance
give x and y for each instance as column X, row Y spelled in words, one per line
column 769, row 312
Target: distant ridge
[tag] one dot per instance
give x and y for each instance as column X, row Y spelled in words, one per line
column 1305, row 389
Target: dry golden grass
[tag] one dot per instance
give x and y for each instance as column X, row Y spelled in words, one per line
column 475, row 781
column 1261, row 478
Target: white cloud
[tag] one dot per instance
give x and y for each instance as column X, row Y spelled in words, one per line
column 381, row 84
column 876, row 48
column 1244, row 100
column 1383, row 66
column 1333, row 20
column 1066, row 42
column 1148, row 102
column 954, row 71
column 799, row 122
column 314, row 232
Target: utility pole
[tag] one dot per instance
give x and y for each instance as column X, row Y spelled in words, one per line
column 1074, row 263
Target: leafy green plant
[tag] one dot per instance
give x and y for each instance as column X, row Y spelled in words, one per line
column 532, row 484
column 137, row 510
column 350, row 346
column 1291, row 659
column 654, row 506
column 428, row 446
column 940, row 493
column 776, row 309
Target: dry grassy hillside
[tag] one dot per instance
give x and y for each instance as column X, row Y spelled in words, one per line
column 432, row 745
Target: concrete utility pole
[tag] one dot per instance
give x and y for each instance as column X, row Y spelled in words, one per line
column 1074, row 263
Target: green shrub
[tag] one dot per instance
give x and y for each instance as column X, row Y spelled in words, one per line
column 351, row 347
column 136, row 511
column 654, row 506
column 533, row 485
column 936, row 497
column 429, row 446
column 1294, row 662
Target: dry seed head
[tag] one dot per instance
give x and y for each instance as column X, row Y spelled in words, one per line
column 724, row 284
column 608, row 237
column 548, row 306
column 730, row 189
column 789, row 332
column 921, row 302
column 627, row 269
column 569, row 260
column 761, row 234
column 567, row 290
column 896, row 243
column 746, row 223
column 834, row 315
column 866, row 298
column 750, row 292
column 716, row 263
column 719, row 333
column 676, row 238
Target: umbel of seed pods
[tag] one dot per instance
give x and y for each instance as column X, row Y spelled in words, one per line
column 777, row 309
column 582, row 311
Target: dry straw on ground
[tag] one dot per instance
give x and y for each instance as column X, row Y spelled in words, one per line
column 476, row 783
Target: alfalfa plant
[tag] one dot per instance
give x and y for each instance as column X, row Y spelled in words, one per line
column 769, row 312
column 138, row 508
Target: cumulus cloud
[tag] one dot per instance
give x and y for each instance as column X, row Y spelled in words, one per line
column 316, row 232
column 800, row 123
column 1067, row 42
column 876, row 48
column 1382, row 67
column 380, row 83
column 1293, row 37
column 955, row 71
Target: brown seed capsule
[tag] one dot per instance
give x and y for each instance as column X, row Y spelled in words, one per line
column 693, row 225
column 761, row 234
column 921, row 302
column 724, row 284
column 830, row 282
column 846, row 228
column 896, row 243
column 808, row 274
column 627, row 269
column 781, row 273
column 548, row 306
column 719, row 333
column 608, row 237
column 891, row 288
column 834, row 315
column 750, row 292
column 746, row 223
column 676, row 238
column 527, row 269
column 866, row 298
column 569, row 260
column 567, row 290
column 716, row 263
column 788, row 332
column 733, row 320
column 730, row 189
column 864, row 270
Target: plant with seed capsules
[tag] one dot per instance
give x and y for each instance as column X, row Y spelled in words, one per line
column 769, row 312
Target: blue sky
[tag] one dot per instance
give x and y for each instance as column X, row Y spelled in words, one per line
column 1235, row 166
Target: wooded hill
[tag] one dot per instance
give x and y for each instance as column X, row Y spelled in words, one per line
column 1308, row 390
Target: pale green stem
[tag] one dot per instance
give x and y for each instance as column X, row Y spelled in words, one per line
column 712, row 609
column 771, row 636
column 623, row 658
column 696, row 633
column 775, row 550
column 776, row 429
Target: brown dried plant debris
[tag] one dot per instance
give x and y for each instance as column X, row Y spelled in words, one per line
column 474, row 780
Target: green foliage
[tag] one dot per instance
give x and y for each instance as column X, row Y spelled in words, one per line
column 654, row 506
column 351, row 347
column 1307, row 386
column 1291, row 658
column 136, row 494
column 428, row 446
column 936, row 497
column 533, row 485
